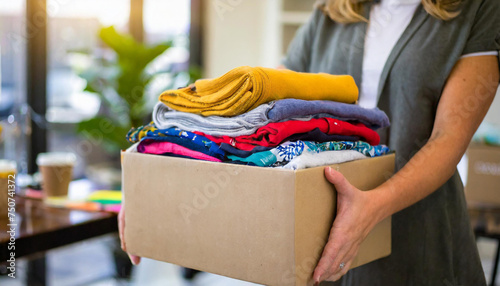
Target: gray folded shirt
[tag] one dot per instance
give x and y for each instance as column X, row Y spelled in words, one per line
column 244, row 124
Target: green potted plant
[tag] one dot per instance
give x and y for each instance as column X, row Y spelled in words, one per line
column 121, row 82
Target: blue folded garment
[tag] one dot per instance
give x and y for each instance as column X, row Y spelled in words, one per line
column 292, row 108
column 186, row 139
column 242, row 153
column 318, row 136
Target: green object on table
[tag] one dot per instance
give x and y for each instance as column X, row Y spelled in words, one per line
column 106, row 197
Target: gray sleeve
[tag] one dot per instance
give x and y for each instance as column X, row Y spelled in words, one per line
column 485, row 33
column 298, row 56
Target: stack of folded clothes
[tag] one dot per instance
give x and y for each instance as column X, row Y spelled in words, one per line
column 264, row 117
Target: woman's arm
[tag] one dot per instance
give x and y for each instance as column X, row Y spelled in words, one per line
column 467, row 95
column 466, row 99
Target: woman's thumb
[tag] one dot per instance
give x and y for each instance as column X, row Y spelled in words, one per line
column 336, row 178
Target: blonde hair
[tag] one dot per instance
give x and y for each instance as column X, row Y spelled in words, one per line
column 349, row 11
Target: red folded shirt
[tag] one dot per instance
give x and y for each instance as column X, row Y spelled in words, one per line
column 273, row 134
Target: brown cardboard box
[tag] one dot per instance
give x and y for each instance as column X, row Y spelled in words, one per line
column 483, row 178
column 262, row 225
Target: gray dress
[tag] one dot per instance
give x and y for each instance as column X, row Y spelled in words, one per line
column 432, row 240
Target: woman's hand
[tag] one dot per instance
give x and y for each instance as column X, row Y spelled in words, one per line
column 356, row 217
column 121, row 229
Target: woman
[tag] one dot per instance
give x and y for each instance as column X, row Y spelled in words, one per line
column 432, row 66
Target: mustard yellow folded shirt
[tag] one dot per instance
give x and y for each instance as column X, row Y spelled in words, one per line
column 244, row 88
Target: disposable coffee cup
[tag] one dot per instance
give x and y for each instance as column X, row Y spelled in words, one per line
column 57, row 172
column 7, row 186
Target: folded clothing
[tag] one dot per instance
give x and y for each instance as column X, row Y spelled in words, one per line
column 314, row 135
column 318, row 136
column 283, row 153
column 275, row 111
column 310, row 160
column 150, row 146
column 292, row 108
column 244, row 88
column 177, row 136
column 244, row 124
column 135, row 135
column 242, row 153
column 288, row 151
column 274, row 134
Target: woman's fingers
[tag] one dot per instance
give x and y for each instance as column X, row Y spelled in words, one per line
column 347, row 230
column 340, row 273
column 336, row 252
column 121, row 231
column 121, row 228
column 326, row 261
column 134, row 259
column 347, row 260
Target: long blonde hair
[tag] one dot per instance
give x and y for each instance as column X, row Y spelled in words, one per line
column 349, row 11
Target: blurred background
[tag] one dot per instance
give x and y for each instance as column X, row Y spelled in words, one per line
column 67, row 85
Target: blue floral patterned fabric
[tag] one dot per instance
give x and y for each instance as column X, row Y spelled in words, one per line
column 286, row 152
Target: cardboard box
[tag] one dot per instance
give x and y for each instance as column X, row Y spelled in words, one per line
column 262, row 225
column 483, row 177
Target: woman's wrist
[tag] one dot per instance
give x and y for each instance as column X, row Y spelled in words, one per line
column 378, row 205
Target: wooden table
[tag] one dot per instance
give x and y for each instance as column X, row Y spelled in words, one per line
column 41, row 228
column 485, row 222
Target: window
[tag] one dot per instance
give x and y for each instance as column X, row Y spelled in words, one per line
column 73, row 45
column 13, row 51
column 13, row 112
column 74, row 27
column 165, row 19
column 168, row 21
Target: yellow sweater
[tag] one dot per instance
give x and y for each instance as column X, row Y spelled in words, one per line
column 244, row 88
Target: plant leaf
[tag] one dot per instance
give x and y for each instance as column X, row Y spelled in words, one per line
column 101, row 130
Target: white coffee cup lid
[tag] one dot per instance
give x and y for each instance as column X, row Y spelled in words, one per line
column 7, row 166
column 55, row 158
